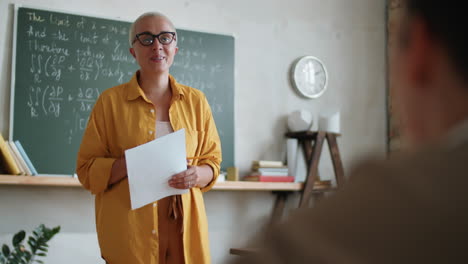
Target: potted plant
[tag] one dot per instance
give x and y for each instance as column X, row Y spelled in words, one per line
column 37, row 242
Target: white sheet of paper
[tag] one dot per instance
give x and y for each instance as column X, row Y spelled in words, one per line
column 149, row 167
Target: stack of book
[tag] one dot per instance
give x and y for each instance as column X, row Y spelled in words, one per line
column 14, row 159
column 269, row 171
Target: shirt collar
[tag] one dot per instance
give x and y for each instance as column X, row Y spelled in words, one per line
column 134, row 90
column 177, row 89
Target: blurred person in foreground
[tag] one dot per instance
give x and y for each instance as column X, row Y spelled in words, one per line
column 411, row 208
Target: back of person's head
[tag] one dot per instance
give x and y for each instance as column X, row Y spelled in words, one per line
column 447, row 21
column 430, row 70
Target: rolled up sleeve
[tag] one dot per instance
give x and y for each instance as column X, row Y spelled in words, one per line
column 211, row 146
column 94, row 163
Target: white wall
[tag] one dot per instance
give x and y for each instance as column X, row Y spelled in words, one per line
column 349, row 36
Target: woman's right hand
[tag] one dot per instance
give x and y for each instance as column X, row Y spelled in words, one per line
column 118, row 171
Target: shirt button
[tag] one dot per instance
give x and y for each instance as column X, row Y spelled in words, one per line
column 152, row 110
column 154, row 232
column 151, row 132
column 155, row 204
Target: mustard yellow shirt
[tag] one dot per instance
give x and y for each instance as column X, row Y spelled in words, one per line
column 123, row 118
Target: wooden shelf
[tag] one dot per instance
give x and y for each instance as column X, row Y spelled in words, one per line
column 220, row 186
column 39, row 181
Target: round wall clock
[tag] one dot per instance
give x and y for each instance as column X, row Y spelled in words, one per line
column 309, row 76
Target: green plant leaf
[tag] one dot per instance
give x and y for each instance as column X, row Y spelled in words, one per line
column 18, row 238
column 24, row 260
column 39, row 261
column 28, row 256
column 17, row 257
column 31, row 244
column 5, row 250
column 42, row 248
column 37, row 244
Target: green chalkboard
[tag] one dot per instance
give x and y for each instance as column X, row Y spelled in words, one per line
column 63, row 61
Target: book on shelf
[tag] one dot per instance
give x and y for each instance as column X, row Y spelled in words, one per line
column 284, row 169
column 26, row 157
column 269, row 173
column 265, row 178
column 267, row 163
column 7, row 156
column 20, row 158
column 16, row 158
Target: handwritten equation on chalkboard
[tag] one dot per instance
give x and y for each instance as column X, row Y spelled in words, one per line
column 68, row 59
column 192, row 67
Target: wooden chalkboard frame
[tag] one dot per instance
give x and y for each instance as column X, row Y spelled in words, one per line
column 14, row 61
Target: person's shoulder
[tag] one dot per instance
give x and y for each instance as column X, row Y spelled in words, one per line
column 114, row 92
column 193, row 97
column 191, row 93
column 402, row 184
column 427, row 169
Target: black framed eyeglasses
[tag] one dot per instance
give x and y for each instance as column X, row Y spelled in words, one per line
column 147, row 39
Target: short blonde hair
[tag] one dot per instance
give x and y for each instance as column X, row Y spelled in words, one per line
column 131, row 34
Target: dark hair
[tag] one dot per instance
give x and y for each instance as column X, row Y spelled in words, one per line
column 447, row 21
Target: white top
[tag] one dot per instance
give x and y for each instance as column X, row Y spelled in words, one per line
column 163, row 128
